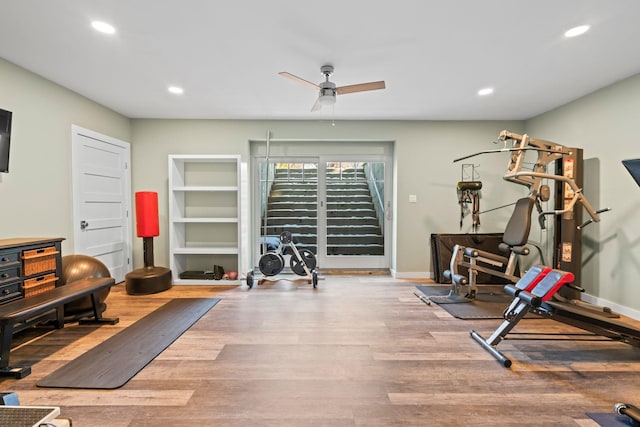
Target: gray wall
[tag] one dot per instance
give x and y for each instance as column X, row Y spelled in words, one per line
column 605, row 125
column 36, row 194
column 424, row 153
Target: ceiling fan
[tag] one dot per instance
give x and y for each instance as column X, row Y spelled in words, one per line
column 328, row 90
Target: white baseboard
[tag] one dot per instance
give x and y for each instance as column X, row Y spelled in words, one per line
column 412, row 274
column 618, row 308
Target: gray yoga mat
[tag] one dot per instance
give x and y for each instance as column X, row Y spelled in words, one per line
column 489, row 303
column 115, row 361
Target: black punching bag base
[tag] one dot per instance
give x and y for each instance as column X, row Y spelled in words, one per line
column 148, row 280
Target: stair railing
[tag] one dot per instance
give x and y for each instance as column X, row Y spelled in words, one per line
column 378, row 200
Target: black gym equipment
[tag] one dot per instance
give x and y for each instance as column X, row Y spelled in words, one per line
column 272, row 263
column 534, row 293
column 503, row 266
column 569, row 201
column 469, row 194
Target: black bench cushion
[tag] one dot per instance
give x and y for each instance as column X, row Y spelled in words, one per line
column 16, row 311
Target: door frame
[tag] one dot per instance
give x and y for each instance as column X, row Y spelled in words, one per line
column 76, row 133
column 299, row 150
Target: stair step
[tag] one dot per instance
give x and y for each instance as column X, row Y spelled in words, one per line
column 336, row 239
column 350, row 230
column 350, row 190
column 311, row 221
column 348, row 198
column 292, row 213
column 294, row 186
column 313, row 213
column 353, row 213
column 294, row 201
column 352, row 221
column 339, row 239
column 313, row 184
column 276, row 206
column 300, row 190
column 331, row 205
column 300, row 198
column 355, row 250
column 288, row 221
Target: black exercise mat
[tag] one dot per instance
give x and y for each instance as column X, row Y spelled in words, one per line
column 489, row 303
column 611, row 420
column 115, row 361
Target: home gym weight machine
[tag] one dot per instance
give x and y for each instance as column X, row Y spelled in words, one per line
column 537, row 291
column 569, row 199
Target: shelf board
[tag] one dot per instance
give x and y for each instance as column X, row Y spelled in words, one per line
column 208, row 250
column 205, row 158
column 229, row 220
column 210, row 188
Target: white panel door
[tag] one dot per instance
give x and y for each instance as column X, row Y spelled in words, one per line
column 101, row 199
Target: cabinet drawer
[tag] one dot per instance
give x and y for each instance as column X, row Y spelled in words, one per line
column 38, row 285
column 9, row 275
column 39, row 260
column 10, row 292
column 7, row 259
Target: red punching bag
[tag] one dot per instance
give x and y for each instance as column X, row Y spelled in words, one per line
column 150, row 279
column 147, row 214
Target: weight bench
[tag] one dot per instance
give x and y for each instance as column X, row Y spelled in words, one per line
column 531, row 293
column 514, row 244
column 32, row 308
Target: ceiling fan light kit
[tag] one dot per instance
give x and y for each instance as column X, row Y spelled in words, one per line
column 329, row 99
column 327, row 90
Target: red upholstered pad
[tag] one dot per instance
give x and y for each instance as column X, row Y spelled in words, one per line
column 551, row 284
column 532, row 277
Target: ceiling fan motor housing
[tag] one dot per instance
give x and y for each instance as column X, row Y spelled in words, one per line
column 327, row 88
column 327, row 93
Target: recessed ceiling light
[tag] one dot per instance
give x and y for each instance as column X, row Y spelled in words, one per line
column 576, row 31
column 485, row 91
column 176, row 90
column 103, row 27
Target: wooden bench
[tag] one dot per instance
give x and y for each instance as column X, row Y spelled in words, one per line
column 26, row 309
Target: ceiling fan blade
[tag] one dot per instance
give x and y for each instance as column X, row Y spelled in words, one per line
column 360, row 87
column 299, row 80
column 317, row 106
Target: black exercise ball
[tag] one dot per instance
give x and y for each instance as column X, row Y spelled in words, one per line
column 76, row 267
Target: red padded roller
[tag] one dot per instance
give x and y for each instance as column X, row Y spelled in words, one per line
column 147, row 214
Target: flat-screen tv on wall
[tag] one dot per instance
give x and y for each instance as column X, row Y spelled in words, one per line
column 5, row 139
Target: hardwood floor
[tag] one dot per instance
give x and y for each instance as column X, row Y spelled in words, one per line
column 357, row 351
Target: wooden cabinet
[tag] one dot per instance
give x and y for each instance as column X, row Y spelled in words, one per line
column 204, row 216
column 28, row 266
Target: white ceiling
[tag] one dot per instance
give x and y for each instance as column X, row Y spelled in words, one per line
column 226, row 54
